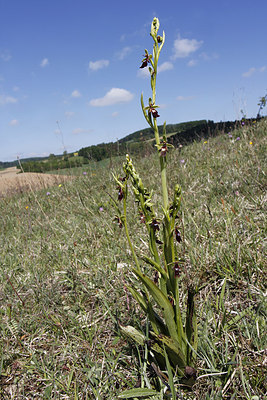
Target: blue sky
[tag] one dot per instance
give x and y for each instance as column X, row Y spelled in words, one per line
column 70, row 76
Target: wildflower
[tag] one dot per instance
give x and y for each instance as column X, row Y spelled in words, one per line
column 182, row 161
column 155, row 225
column 60, row 185
column 229, row 135
column 145, row 60
column 164, row 149
column 153, row 111
column 119, row 221
column 27, row 207
column 177, row 270
column 205, row 142
column 238, row 138
column 250, row 142
column 48, row 193
column 84, row 173
column 101, row 209
column 243, row 123
column 142, row 219
column 120, row 194
column 178, row 235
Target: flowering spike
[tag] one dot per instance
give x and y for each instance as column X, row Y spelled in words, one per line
column 154, row 28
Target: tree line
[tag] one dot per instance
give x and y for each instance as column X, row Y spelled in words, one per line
column 139, row 142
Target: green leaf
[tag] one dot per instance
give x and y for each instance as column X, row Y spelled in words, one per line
column 237, row 318
column 144, row 112
column 162, row 301
column 133, row 334
column 163, row 41
column 191, row 325
column 139, row 298
column 174, row 352
column 157, row 324
column 156, row 265
column 170, row 374
column 139, row 392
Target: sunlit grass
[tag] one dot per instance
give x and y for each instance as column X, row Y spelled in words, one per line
column 63, row 280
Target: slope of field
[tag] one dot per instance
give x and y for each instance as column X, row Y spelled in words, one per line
column 66, row 270
column 12, row 182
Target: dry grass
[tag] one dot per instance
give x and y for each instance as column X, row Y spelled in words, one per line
column 65, row 268
column 12, row 182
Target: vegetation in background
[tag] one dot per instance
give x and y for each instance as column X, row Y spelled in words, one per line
column 261, row 104
column 61, row 275
column 53, row 163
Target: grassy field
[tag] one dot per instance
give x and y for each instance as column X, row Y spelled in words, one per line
column 65, row 268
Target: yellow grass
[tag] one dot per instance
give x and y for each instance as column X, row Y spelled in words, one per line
column 12, row 182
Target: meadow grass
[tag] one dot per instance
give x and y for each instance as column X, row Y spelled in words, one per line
column 65, row 270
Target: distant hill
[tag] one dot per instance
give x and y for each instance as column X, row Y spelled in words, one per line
column 15, row 163
column 148, row 133
column 8, row 164
column 139, row 142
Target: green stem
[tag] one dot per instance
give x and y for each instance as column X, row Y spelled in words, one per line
column 164, row 183
column 128, row 236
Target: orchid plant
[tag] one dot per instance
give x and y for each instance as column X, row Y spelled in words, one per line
column 173, row 331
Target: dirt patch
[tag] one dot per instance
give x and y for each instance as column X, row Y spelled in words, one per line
column 12, row 182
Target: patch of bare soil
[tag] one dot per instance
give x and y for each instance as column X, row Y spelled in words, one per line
column 12, row 182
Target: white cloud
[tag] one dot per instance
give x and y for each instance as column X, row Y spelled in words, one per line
column 75, row 93
column 69, row 114
column 15, row 89
column 252, row 71
column 185, row 98
column 14, row 122
column 192, row 63
column 5, row 56
column 143, row 73
column 115, row 114
column 124, row 52
column 248, row 73
column 78, row 131
column 7, row 100
column 185, row 47
column 166, row 66
column 44, row 63
column 113, row 96
column 96, row 65
column 208, row 57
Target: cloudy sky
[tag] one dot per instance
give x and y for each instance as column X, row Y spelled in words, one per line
column 70, row 76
